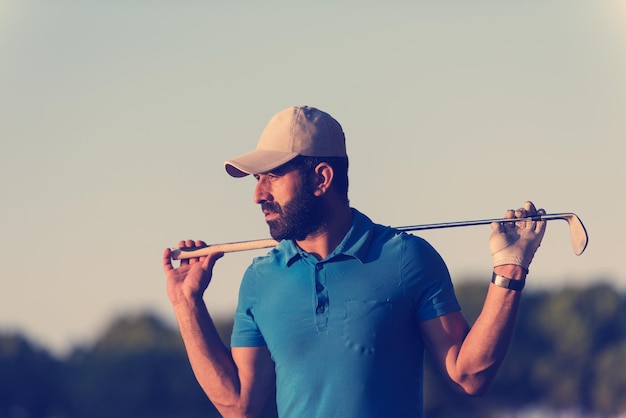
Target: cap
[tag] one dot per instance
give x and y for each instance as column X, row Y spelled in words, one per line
column 295, row 131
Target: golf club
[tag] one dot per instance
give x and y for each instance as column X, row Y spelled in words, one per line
column 578, row 235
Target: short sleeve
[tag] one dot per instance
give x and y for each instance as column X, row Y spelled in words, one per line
column 245, row 330
column 427, row 279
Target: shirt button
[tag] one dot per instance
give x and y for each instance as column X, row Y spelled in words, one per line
column 320, row 309
column 318, row 267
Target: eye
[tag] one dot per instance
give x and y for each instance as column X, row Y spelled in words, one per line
column 267, row 176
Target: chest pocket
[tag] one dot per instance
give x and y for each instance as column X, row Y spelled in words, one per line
column 368, row 325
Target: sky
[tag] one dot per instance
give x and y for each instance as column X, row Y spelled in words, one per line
column 116, row 118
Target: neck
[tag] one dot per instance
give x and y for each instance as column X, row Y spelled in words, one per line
column 321, row 243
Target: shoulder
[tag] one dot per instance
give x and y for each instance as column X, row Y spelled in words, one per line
column 408, row 244
column 276, row 258
column 417, row 246
column 385, row 240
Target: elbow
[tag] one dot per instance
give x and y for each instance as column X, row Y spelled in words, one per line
column 474, row 386
column 477, row 390
column 237, row 410
column 230, row 412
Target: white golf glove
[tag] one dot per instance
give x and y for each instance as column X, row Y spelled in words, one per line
column 517, row 242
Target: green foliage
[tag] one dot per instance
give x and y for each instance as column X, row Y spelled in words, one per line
column 137, row 368
column 568, row 353
column 29, row 379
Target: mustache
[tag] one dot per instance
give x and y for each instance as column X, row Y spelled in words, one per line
column 271, row 207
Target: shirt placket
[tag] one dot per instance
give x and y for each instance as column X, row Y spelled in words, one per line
column 321, row 298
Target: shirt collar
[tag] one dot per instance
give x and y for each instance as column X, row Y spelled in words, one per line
column 355, row 244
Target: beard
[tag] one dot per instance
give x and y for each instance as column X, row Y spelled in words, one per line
column 298, row 218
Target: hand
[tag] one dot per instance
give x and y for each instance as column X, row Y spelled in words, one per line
column 517, row 242
column 192, row 277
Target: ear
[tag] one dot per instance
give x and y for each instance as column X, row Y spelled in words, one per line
column 323, row 178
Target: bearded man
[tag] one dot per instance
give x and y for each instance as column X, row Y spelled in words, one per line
column 337, row 317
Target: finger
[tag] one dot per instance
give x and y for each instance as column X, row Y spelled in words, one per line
column 209, row 261
column 193, row 260
column 541, row 225
column 497, row 226
column 530, row 208
column 500, row 226
column 167, row 260
column 183, row 244
column 198, row 244
column 521, row 213
column 510, row 214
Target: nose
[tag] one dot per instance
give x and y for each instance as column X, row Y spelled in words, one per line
column 261, row 191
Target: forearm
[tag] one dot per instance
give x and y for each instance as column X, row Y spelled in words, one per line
column 470, row 357
column 210, row 359
column 487, row 342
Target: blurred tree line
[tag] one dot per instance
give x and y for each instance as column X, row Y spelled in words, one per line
column 568, row 353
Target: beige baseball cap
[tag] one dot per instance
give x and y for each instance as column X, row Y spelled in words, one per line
column 300, row 130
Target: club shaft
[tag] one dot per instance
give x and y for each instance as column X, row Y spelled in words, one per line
column 191, row 252
column 422, row 227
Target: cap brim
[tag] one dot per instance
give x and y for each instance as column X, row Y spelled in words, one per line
column 257, row 161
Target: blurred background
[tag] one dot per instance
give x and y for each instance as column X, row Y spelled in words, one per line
column 116, row 117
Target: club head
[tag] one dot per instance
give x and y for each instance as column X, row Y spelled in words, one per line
column 578, row 233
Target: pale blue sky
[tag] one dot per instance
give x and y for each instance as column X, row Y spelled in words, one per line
column 116, row 117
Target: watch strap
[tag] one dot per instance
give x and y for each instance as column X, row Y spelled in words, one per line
column 507, row 283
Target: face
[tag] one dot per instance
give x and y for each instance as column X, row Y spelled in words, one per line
column 291, row 208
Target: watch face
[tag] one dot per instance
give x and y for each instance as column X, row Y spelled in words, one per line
column 508, row 283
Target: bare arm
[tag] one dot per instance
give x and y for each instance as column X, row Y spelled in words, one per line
column 237, row 383
column 470, row 358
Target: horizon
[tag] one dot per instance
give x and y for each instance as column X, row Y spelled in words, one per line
column 117, row 118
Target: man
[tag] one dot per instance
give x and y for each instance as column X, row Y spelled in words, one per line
column 337, row 317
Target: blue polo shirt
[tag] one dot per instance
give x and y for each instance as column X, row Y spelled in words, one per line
column 343, row 332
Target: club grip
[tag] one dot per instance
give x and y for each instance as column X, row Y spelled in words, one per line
column 191, row 252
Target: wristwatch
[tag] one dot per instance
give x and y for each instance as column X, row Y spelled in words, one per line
column 507, row 283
